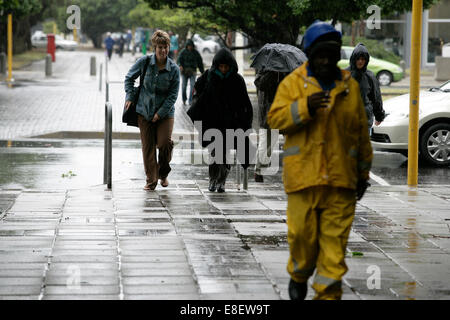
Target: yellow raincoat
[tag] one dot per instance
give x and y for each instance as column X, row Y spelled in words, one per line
column 324, row 156
column 333, row 147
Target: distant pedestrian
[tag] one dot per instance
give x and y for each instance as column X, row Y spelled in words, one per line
column 109, row 45
column 326, row 163
column 368, row 84
column 156, row 108
column 121, row 45
column 222, row 102
column 266, row 83
column 189, row 60
column 128, row 39
column 173, row 46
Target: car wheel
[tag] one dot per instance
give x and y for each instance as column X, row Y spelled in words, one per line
column 435, row 144
column 384, row 78
column 206, row 50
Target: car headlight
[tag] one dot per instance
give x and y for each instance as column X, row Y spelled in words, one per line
column 390, row 117
column 398, row 70
column 397, row 116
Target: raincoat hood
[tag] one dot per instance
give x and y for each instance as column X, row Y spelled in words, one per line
column 360, row 50
column 189, row 42
column 224, row 56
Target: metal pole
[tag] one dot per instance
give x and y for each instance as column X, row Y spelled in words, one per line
column 413, row 141
column 10, row 48
column 246, row 179
column 107, row 162
column 109, row 149
column 106, row 79
column 100, row 78
column 107, row 91
column 105, row 147
column 238, row 174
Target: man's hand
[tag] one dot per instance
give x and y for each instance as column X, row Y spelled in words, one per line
column 155, row 117
column 128, row 104
column 181, row 69
column 361, row 188
column 318, row 100
column 377, row 123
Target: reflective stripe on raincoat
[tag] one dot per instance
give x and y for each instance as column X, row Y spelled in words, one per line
column 331, row 148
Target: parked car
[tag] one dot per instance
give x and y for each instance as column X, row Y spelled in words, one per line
column 434, row 125
column 386, row 72
column 205, row 46
column 217, row 39
column 39, row 40
column 65, row 44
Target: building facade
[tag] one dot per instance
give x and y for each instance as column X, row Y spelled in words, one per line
column 395, row 33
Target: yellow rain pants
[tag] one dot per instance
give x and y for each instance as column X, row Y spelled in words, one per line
column 319, row 220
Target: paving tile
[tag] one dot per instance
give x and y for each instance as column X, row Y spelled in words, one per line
column 81, row 297
column 25, row 290
column 159, row 288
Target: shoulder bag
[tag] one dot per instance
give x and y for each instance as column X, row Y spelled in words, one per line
column 129, row 115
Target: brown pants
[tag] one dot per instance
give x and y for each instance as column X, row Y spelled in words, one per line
column 156, row 135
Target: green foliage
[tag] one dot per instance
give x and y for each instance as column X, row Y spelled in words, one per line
column 342, row 10
column 262, row 20
column 348, row 10
column 374, row 47
column 69, row 174
column 180, row 21
column 279, row 21
column 19, row 8
column 100, row 16
column 48, row 27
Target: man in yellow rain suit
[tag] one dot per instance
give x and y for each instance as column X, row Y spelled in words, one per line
column 327, row 158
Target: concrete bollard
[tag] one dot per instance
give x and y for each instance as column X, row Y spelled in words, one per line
column 48, row 65
column 2, row 63
column 93, row 67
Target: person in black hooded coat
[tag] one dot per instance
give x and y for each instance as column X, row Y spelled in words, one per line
column 368, row 85
column 221, row 102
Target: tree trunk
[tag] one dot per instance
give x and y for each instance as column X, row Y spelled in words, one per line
column 229, row 39
column 362, row 28
column 3, row 37
column 21, row 35
column 353, row 33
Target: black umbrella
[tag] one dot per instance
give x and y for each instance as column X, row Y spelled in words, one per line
column 278, row 57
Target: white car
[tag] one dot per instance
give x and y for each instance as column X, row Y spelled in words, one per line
column 434, row 125
column 39, row 40
column 205, row 46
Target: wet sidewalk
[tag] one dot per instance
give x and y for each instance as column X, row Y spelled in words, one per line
column 184, row 242
column 181, row 242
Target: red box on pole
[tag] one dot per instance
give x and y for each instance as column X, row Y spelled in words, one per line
column 51, row 47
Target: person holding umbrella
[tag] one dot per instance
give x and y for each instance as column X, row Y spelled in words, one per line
column 272, row 62
column 326, row 163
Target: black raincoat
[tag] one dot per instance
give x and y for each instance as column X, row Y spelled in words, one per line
column 221, row 102
column 368, row 84
column 267, row 84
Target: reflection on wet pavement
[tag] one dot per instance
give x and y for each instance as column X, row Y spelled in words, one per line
column 184, row 242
